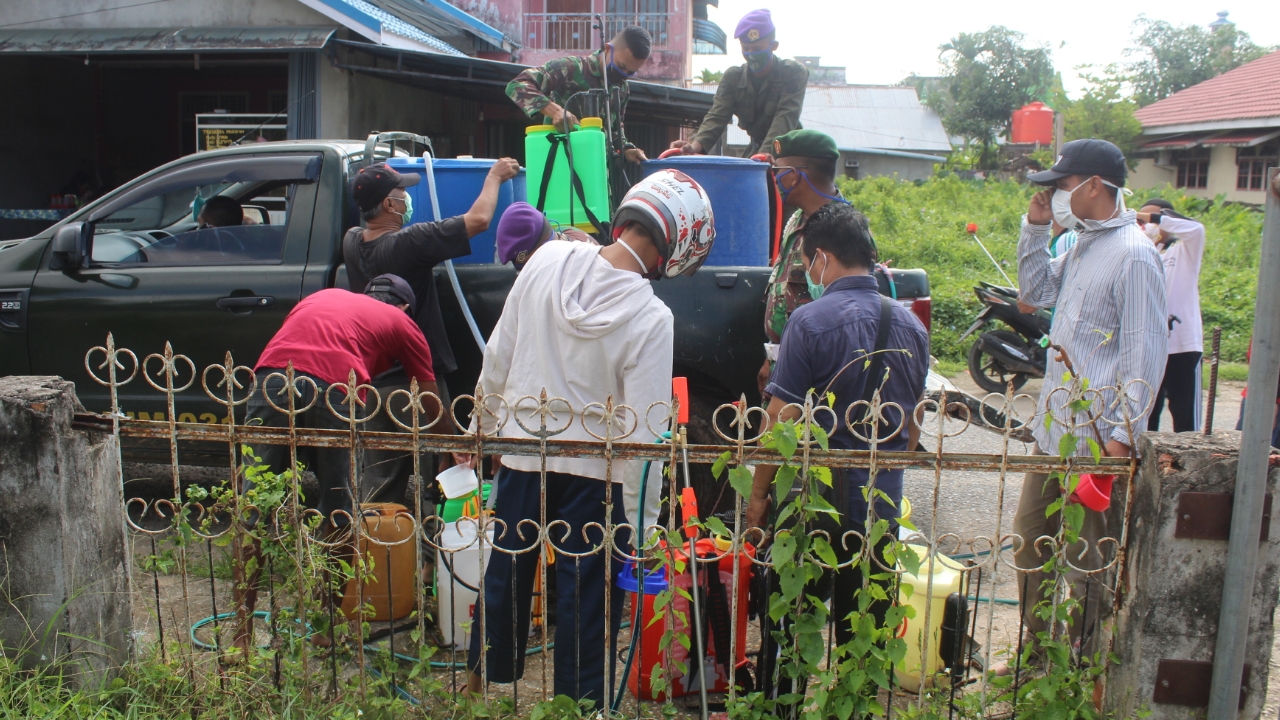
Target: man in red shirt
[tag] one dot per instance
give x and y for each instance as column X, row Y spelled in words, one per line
column 325, row 337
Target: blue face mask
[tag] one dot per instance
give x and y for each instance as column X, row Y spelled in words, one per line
column 758, row 60
column 618, row 69
column 816, row 289
column 785, row 192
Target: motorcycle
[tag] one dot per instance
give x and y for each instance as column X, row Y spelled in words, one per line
column 1000, row 357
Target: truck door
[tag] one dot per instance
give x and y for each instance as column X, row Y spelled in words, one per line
column 149, row 273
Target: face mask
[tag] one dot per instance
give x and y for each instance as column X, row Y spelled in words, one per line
column 616, row 71
column 785, row 192
column 1061, row 204
column 407, row 215
column 816, row 288
column 758, row 60
column 1152, row 231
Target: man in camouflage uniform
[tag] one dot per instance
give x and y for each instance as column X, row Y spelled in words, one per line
column 805, row 171
column 545, row 90
column 766, row 93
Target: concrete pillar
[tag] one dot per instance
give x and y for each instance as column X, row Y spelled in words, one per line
column 1166, row 625
column 62, row 542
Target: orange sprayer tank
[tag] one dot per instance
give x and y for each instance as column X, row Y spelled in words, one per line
column 390, row 587
column 1033, row 123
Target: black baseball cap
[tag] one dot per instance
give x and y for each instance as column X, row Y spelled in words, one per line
column 1088, row 158
column 395, row 286
column 374, row 183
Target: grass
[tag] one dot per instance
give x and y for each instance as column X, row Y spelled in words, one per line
column 1229, row 371
column 922, row 224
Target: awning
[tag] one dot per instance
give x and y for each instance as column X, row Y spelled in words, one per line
column 486, row 80
column 1185, row 141
column 708, row 38
column 895, row 153
column 1247, row 138
column 164, row 40
column 443, row 19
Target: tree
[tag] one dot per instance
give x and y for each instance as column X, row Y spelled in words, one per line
column 1103, row 111
column 988, row 76
column 1173, row 58
column 710, row 77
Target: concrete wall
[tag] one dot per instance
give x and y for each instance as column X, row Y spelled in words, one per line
column 886, row 165
column 62, row 566
column 173, row 13
column 1222, row 177
column 1172, row 588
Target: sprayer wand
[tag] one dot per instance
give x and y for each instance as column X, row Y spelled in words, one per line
column 972, row 229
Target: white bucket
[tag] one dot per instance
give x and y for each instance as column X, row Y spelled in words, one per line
column 458, row 481
column 458, row 603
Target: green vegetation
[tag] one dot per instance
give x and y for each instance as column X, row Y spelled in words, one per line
column 923, row 225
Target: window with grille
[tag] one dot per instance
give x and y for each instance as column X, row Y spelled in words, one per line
column 1193, row 173
column 1252, row 165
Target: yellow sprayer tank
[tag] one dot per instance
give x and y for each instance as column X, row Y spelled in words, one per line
column 948, row 578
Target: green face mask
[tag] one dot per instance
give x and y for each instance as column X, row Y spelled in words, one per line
column 408, row 209
column 816, row 288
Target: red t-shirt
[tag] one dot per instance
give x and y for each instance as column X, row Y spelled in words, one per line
column 334, row 331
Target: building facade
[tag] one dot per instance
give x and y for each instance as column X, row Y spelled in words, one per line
column 1217, row 138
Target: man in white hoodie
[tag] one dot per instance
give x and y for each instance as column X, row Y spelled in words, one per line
column 1109, row 294
column 581, row 323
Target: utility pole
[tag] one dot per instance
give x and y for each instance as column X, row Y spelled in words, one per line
column 1251, row 473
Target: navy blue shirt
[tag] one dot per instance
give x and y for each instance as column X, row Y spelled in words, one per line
column 824, row 349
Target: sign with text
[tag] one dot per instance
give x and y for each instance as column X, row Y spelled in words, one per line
column 219, row 130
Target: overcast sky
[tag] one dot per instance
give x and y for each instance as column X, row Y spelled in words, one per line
column 883, row 42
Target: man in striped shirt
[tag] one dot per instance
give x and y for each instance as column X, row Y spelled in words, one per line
column 1108, row 289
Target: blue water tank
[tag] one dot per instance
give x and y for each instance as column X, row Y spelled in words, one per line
column 459, row 181
column 739, row 192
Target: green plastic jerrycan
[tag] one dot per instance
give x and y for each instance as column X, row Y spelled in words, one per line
column 590, row 163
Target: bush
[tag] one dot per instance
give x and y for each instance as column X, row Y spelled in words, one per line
column 922, row 224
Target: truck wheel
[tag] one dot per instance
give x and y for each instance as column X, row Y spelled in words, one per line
column 989, row 373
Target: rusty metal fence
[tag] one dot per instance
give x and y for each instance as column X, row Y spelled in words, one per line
column 979, row 550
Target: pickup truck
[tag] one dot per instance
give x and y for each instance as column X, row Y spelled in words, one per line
column 134, row 264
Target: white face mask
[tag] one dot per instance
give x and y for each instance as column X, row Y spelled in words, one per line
column 1061, row 204
column 1152, row 231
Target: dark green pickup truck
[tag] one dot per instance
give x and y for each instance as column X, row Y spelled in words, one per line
column 134, row 264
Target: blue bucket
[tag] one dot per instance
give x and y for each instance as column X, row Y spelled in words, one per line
column 739, row 192
column 459, row 182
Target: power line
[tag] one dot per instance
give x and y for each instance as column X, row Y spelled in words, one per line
column 87, row 12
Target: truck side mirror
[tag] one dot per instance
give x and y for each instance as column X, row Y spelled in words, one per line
column 68, row 247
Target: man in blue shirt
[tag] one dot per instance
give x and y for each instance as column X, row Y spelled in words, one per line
column 824, row 350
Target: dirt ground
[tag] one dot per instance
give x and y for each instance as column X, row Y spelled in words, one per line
column 970, row 506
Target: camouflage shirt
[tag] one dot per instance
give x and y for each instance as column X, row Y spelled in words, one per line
column 788, row 288
column 535, row 88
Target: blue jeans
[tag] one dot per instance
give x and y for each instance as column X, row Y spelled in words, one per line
column 582, row 588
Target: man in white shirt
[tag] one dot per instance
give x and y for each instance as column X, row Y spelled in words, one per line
column 1180, row 241
column 582, row 323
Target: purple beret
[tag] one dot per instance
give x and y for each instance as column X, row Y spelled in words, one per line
column 754, row 25
column 519, row 231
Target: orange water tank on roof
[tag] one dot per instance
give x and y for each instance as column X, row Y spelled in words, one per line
column 1033, row 123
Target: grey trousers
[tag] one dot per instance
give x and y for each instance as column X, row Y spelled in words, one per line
column 1031, row 524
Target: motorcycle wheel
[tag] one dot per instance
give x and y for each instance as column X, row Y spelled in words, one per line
column 990, row 374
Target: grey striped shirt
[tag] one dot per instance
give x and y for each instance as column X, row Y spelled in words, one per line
column 1111, row 318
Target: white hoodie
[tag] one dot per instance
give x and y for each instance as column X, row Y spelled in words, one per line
column 1182, row 282
column 583, row 330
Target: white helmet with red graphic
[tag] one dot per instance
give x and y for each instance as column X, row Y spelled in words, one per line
column 676, row 212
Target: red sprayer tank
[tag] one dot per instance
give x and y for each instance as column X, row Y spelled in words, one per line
column 1033, row 123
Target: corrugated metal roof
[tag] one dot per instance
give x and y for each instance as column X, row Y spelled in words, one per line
column 395, row 25
column 190, row 39
column 867, row 116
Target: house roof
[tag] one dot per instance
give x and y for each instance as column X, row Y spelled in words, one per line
column 857, row 117
column 1233, row 99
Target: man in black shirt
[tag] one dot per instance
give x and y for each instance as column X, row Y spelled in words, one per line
column 389, row 244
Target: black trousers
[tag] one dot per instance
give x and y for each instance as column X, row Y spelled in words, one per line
column 1181, row 387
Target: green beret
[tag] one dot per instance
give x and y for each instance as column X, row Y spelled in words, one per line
column 805, row 143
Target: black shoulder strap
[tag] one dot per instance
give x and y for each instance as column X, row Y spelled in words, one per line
column 575, row 181
column 875, row 374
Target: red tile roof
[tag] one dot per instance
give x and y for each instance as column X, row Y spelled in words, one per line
column 1250, row 91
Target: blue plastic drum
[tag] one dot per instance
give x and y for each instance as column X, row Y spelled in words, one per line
column 459, row 182
column 740, row 200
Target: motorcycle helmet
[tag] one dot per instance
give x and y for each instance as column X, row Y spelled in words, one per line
column 676, row 212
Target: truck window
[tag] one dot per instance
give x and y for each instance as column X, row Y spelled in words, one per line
column 219, row 224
